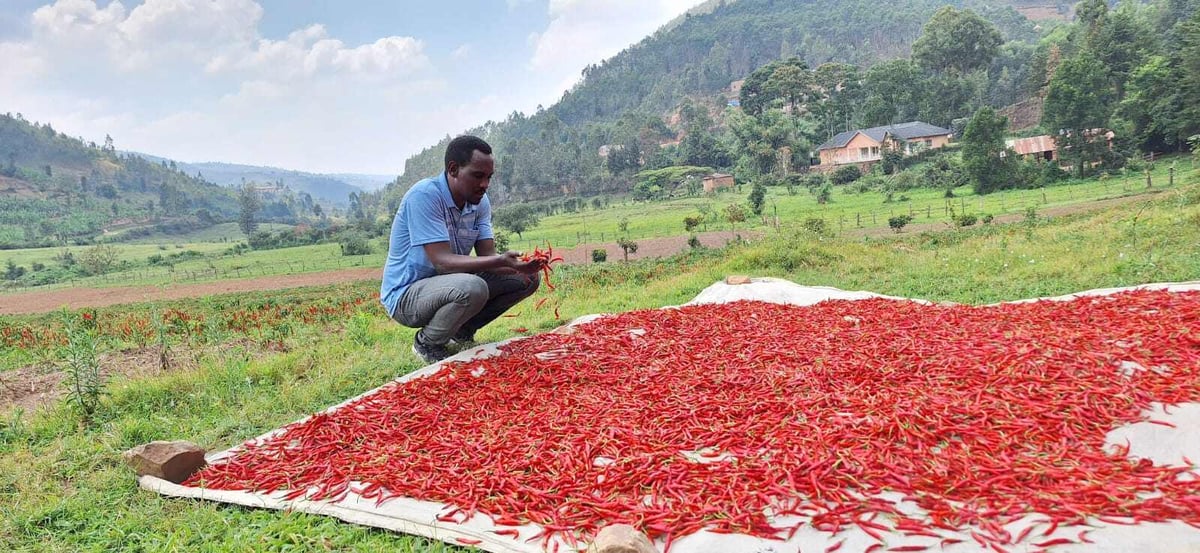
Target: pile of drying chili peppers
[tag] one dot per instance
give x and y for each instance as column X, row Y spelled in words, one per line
column 725, row 417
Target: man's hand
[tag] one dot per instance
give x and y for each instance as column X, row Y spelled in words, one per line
column 512, row 260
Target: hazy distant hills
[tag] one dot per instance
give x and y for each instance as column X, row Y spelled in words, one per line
column 332, row 188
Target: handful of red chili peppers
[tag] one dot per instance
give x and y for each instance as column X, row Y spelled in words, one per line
column 723, row 417
column 547, row 258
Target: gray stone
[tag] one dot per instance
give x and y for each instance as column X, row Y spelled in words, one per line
column 737, row 279
column 621, row 538
column 171, row 461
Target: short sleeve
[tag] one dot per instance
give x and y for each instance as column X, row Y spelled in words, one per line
column 426, row 220
column 485, row 220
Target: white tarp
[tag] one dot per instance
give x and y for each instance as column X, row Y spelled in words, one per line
column 1161, row 444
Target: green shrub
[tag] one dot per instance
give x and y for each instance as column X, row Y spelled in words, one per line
column 354, row 243
column 966, row 220
column 815, row 225
column 898, row 222
column 599, row 255
column 846, row 175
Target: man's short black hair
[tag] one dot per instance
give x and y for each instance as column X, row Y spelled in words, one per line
column 463, row 147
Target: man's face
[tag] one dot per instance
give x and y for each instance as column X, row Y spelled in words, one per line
column 472, row 180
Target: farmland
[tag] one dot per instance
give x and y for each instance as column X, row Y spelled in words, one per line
column 213, row 255
column 63, row 487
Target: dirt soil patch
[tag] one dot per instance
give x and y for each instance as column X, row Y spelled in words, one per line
column 37, row 385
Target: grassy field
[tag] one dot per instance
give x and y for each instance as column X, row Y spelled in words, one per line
column 224, row 232
column 847, row 211
column 64, row 488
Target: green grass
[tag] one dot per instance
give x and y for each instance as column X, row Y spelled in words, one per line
column 216, row 263
column 63, row 487
column 847, row 209
column 224, row 232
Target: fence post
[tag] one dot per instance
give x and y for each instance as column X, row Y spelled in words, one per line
column 858, row 220
column 1171, row 175
column 1148, row 182
column 928, row 212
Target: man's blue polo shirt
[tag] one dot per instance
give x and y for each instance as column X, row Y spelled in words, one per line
column 427, row 214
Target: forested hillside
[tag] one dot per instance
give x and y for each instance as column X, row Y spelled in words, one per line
column 629, row 98
column 59, row 190
column 56, row 189
column 810, row 69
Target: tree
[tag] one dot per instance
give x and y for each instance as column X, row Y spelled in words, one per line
column 987, row 160
column 958, row 40
column 249, row 205
column 1078, row 103
column 98, row 259
column 628, row 246
column 516, row 218
column 734, row 214
column 758, row 197
column 892, row 93
column 12, row 271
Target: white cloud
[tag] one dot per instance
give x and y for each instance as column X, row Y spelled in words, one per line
column 195, row 80
column 582, row 32
column 462, row 52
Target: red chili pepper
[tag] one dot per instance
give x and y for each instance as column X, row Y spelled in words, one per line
column 1056, row 541
column 802, row 412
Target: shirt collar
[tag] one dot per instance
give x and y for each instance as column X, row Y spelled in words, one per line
column 444, row 188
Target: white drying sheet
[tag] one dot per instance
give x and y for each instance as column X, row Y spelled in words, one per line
column 1161, row 444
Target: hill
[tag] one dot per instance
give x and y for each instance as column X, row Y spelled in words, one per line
column 58, row 190
column 331, row 189
column 55, row 189
column 634, row 102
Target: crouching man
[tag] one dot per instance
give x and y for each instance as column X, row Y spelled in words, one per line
column 431, row 281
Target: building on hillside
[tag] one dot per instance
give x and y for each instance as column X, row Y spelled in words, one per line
column 865, row 147
column 1040, row 148
column 717, row 180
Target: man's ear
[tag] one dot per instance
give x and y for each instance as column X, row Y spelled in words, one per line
column 452, row 169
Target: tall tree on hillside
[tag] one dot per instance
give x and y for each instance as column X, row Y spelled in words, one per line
column 893, row 93
column 1186, row 55
column 842, row 91
column 792, row 82
column 249, row 203
column 986, row 159
column 1078, row 106
column 958, row 40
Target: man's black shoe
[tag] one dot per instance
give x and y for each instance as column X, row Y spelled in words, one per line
column 430, row 353
column 463, row 337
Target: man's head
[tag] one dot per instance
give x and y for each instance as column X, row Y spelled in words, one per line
column 469, row 168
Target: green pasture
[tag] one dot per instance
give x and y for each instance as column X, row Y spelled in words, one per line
column 63, row 486
column 847, row 209
column 224, row 232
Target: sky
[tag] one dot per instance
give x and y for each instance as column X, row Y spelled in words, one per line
column 325, row 86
